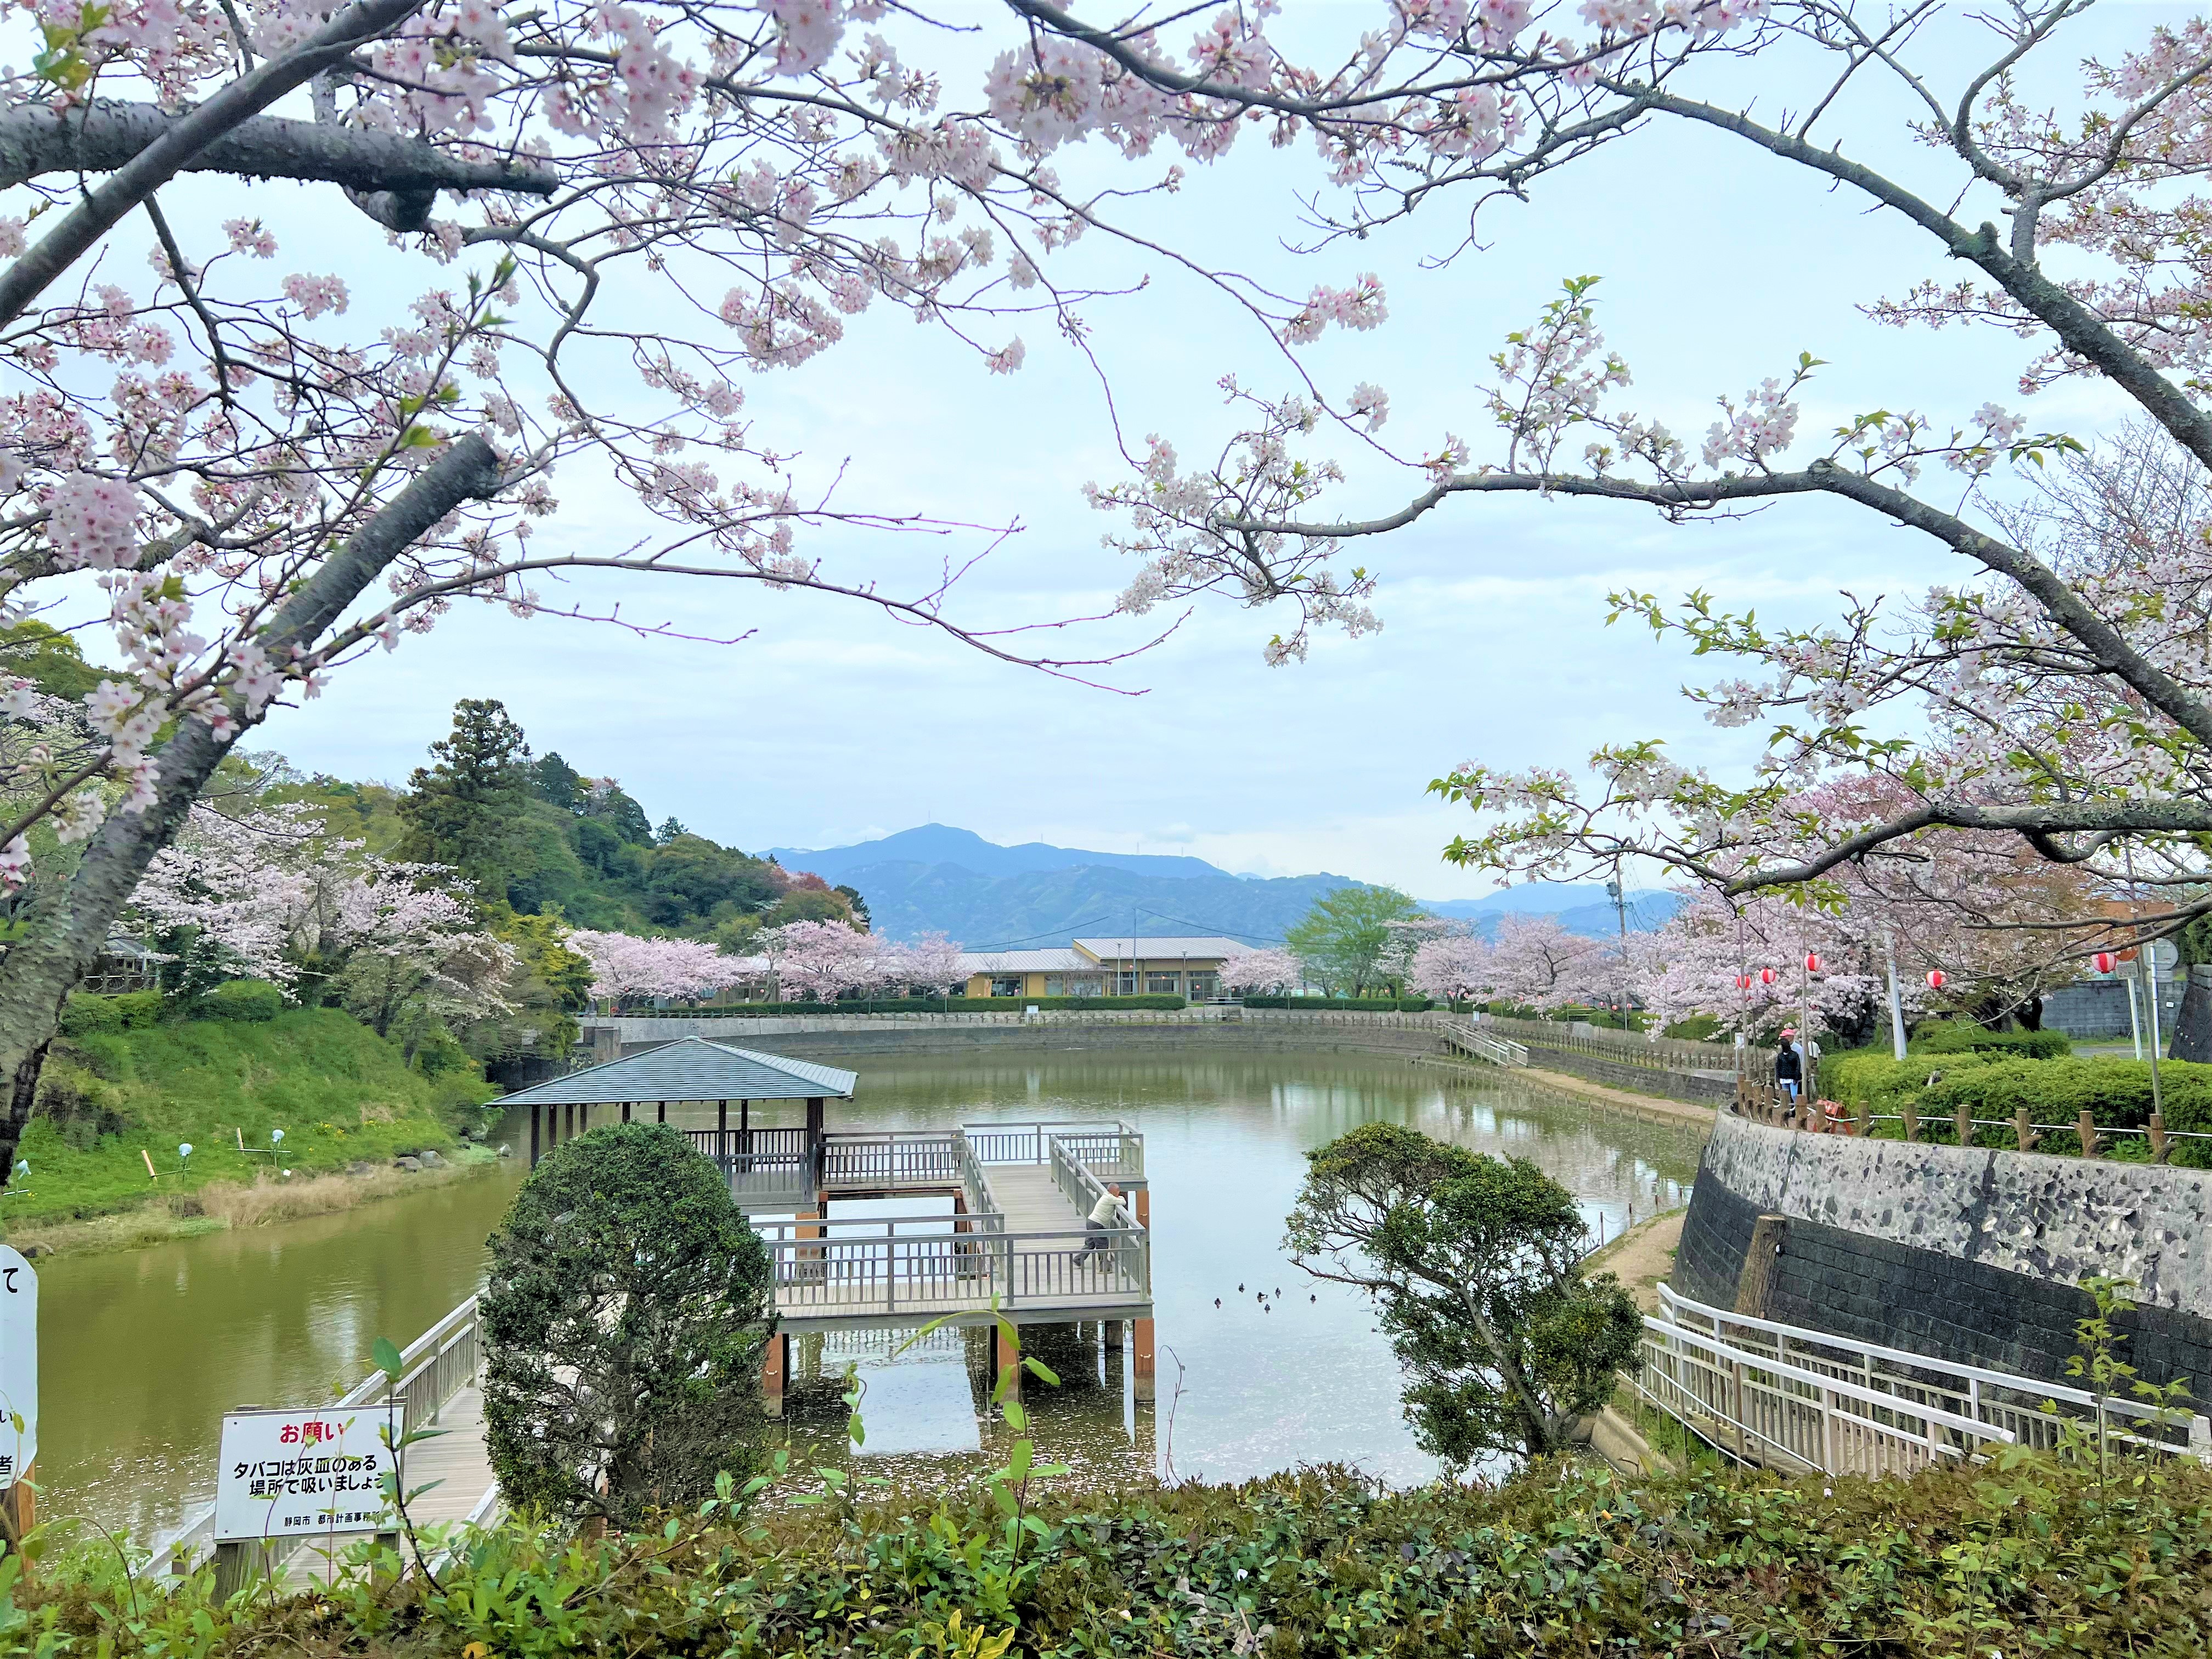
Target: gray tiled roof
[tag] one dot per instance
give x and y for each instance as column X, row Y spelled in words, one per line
column 691, row 1068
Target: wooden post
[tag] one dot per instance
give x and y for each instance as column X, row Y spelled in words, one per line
column 239, row 1564
column 663, row 1116
column 2021, row 1127
column 19, row 1507
column 776, row 1367
column 721, row 1129
column 1866, row 1121
column 1007, row 1361
column 625, row 1111
column 1140, row 1358
column 1963, row 1121
column 568, row 1120
column 2086, row 1129
column 1754, row 1285
column 1912, row 1120
column 1144, row 1207
column 2158, row 1137
column 534, row 1110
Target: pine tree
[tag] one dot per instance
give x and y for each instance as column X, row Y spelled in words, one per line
column 467, row 809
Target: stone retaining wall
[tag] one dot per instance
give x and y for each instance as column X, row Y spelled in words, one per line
column 1965, row 1254
column 908, row 1040
column 1642, row 1079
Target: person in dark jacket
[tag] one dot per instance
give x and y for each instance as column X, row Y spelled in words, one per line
column 1789, row 1067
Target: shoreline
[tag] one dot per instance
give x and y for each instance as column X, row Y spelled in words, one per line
column 226, row 1206
column 1657, row 1106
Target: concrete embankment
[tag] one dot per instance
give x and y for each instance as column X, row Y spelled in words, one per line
column 1967, row 1254
column 1134, row 1040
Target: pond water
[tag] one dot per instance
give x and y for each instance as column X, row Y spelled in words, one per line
column 143, row 1351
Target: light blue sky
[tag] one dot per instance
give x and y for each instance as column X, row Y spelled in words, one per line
column 832, row 724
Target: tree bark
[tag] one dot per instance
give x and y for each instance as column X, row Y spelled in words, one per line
column 68, row 923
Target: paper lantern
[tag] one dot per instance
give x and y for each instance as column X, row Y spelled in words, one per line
column 1743, row 981
column 1812, row 963
column 1767, row 976
column 1935, row 978
column 2106, row 962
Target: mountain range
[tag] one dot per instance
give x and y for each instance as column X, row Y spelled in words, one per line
column 936, row 879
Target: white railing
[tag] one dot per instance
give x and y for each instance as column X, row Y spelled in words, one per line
column 1484, row 1045
column 1787, row 1397
column 937, row 1271
column 434, row 1368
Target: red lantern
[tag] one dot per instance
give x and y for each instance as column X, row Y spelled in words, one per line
column 1767, row 976
column 1743, row 981
column 1812, row 963
column 2106, row 962
column 1935, row 978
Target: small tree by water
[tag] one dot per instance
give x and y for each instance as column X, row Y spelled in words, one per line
column 629, row 1307
column 1475, row 1264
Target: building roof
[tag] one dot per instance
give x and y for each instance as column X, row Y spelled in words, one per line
column 1148, row 950
column 691, row 1068
column 1059, row 961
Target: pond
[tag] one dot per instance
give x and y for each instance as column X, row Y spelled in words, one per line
column 143, row 1351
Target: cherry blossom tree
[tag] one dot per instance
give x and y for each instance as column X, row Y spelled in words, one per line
column 929, row 963
column 1538, row 964
column 234, row 897
column 623, row 965
column 1453, row 966
column 1264, row 969
column 2057, row 692
column 825, row 959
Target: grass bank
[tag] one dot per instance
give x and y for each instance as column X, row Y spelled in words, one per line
column 1570, row 1558
column 112, row 1103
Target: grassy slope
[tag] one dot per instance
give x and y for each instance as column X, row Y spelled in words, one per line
column 339, row 1092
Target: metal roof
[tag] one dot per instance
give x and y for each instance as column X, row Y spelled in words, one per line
column 1151, row 949
column 690, row 1068
column 1063, row 961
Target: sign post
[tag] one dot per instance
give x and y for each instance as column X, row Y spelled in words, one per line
column 19, row 1391
column 311, row 1472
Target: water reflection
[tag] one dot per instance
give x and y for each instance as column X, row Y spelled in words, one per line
column 143, row 1350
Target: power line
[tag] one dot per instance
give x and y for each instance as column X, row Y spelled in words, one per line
column 1007, row 945
column 1226, row 933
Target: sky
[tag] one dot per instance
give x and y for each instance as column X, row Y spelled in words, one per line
column 829, row 724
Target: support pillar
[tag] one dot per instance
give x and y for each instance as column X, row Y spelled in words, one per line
column 663, row 1116
column 534, row 1111
column 568, row 1122
column 721, row 1129
column 1144, row 1207
column 625, row 1111
column 775, row 1369
column 745, row 1126
column 1141, row 1369
column 1005, row 1354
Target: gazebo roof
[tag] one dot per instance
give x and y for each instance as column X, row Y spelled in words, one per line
column 690, row 1068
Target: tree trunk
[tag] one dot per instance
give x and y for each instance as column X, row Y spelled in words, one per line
column 68, row 923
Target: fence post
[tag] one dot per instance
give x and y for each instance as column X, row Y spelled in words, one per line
column 1964, row 1123
column 2021, row 1128
column 2158, row 1137
column 1866, row 1121
column 1912, row 1120
column 2086, row 1129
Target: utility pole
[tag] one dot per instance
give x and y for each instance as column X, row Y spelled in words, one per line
column 1620, row 968
column 2147, row 953
column 1896, row 1004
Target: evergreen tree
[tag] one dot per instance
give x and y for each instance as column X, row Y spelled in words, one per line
column 558, row 783
column 669, row 830
column 468, row 810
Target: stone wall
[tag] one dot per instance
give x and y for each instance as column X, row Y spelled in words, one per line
column 1967, row 1255
column 1642, row 1079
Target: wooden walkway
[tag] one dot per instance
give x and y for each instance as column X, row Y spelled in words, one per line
column 457, row 1461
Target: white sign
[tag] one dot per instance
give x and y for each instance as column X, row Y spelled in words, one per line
column 19, row 1366
column 305, row 1473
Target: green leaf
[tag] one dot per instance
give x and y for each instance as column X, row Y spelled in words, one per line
column 384, row 1354
column 1041, row 1370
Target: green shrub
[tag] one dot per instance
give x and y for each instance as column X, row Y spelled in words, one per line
column 1957, row 1036
column 250, row 1001
column 140, row 1011
column 85, row 1013
column 1365, row 1005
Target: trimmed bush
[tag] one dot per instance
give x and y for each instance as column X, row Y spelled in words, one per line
column 140, row 1011
column 1355, row 1005
column 85, row 1013
column 1956, row 1036
column 251, row 1001
column 903, row 1005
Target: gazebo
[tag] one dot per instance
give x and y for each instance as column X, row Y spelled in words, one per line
column 763, row 1165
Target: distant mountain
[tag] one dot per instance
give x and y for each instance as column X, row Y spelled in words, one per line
column 1040, row 909
column 939, row 880
column 938, row 844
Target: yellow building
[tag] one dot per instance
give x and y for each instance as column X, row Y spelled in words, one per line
column 1183, row 967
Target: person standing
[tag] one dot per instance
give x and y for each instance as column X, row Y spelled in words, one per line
column 1790, row 1068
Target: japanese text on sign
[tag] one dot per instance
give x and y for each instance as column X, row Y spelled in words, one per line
column 303, row 1473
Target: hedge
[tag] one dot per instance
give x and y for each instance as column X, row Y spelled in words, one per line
column 2023, row 1558
column 255, row 1001
column 1953, row 1036
column 899, row 1005
column 2116, row 1093
column 1355, row 1005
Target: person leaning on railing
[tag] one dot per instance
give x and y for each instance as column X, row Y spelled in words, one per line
column 1099, row 1223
